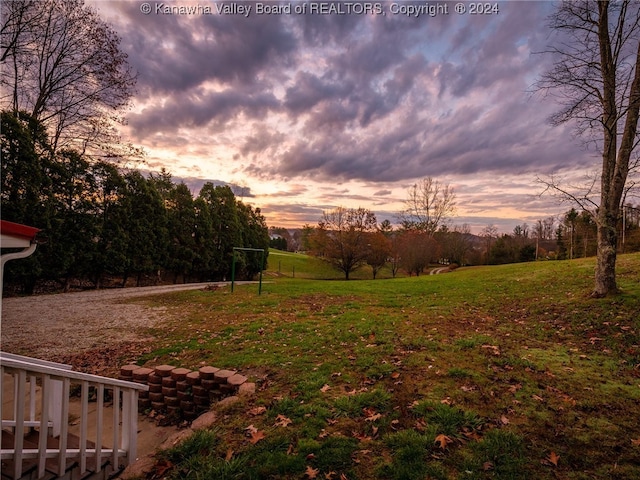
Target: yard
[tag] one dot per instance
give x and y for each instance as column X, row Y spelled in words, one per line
column 487, row 372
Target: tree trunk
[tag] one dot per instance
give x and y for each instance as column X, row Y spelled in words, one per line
column 605, row 278
column 615, row 165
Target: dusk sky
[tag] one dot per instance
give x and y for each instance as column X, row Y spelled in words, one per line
column 337, row 108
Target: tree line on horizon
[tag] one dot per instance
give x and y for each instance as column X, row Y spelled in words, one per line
column 103, row 225
column 350, row 238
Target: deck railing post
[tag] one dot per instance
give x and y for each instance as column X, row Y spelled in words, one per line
column 64, row 427
column 99, row 420
column 18, row 441
column 44, row 425
column 132, row 425
column 55, row 406
column 84, row 415
column 116, row 426
column 32, row 398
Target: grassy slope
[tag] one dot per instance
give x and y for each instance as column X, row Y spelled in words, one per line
column 487, row 372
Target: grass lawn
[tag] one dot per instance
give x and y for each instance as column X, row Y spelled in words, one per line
column 499, row 372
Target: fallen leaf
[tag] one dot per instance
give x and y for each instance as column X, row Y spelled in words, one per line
column 472, row 435
column 553, row 458
column 395, row 375
column 162, row 467
column 229, row 455
column 363, row 437
column 373, row 418
column 282, row 421
column 250, row 429
column 311, row 472
column 486, row 466
column 443, row 440
column 290, row 450
column 504, row 420
column 635, row 442
column 325, row 388
column 368, row 412
column 515, row 388
column 256, row 437
column 421, row 425
column 257, row 411
column 494, row 349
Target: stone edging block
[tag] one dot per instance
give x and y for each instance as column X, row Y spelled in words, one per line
column 178, row 390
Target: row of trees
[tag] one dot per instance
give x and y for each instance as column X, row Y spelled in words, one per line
column 352, row 238
column 100, row 222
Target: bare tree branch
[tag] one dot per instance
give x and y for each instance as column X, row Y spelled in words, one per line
column 428, row 205
column 67, row 70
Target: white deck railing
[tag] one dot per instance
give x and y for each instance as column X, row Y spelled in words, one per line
column 48, row 412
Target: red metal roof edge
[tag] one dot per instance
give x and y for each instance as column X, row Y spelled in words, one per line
column 18, row 230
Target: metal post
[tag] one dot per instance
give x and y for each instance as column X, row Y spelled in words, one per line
column 233, row 269
column 261, row 268
column 233, row 266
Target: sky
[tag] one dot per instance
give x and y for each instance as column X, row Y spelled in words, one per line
column 318, row 106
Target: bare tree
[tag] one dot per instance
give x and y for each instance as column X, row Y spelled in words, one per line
column 62, row 64
column 428, row 206
column 343, row 237
column 378, row 251
column 596, row 77
column 417, row 250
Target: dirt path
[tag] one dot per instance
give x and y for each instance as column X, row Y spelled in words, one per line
column 86, row 329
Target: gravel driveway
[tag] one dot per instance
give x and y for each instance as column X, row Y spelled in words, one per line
column 86, row 329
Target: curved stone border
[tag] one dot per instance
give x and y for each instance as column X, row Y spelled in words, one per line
column 182, row 392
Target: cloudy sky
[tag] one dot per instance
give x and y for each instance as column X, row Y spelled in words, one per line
column 336, row 108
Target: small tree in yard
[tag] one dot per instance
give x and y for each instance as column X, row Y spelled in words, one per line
column 343, row 237
column 597, row 76
column 378, row 251
column 417, row 251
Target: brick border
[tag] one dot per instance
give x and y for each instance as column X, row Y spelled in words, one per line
column 182, row 392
